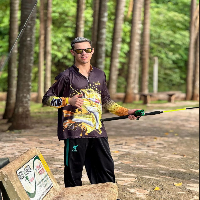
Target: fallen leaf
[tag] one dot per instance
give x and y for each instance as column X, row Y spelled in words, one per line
column 157, row 188
column 178, row 184
column 166, row 133
column 116, row 152
column 176, row 134
column 171, row 131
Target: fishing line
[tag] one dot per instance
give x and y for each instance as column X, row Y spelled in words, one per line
column 18, row 37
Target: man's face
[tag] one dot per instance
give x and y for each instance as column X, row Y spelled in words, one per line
column 84, row 57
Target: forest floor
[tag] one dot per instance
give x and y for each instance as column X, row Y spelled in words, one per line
column 155, row 158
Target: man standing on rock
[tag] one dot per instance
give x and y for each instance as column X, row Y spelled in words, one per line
column 79, row 94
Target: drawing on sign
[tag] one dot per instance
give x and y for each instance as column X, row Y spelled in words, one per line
column 35, row 179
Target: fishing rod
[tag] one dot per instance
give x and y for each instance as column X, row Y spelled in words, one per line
column 140, row 113
column 18, row 37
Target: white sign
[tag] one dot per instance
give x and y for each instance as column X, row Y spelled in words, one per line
column 35, row 179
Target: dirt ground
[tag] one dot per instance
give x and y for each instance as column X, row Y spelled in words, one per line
column 156, row 157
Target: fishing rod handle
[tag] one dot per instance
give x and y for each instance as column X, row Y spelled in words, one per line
column 114, row 118
column 138, row 113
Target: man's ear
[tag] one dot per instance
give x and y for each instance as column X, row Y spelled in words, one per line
column 92, row 50
column 72, row 52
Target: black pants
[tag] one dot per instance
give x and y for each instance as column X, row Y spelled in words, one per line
column 94, row 153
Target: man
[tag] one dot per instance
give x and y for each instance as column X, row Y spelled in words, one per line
column 79, row 93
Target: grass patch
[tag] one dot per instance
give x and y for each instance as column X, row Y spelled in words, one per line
column 2, row 106
column 38, row 107
column 38, row 110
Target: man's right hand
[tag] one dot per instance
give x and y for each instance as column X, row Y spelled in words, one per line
column 76, row 101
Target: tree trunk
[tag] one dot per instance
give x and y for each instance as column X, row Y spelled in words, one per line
column 145, row 48
column 95, row 28
column 138, row 51
column 21, row 115
column 196, row 21
column 12, row 64
column 190, row 67
column 129, row 96
column 130, row 9
column 48, row 46
column 101, row 37
column 155, row 75
column 116, row 45
column 41, row 54
column 195, row 95
column 196, row 73
column 80, row 18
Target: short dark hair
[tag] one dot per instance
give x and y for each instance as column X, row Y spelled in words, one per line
column 79, row 40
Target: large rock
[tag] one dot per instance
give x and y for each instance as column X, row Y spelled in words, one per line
column 106, row 191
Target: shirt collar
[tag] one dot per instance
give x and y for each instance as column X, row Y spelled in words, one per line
column 77, row 69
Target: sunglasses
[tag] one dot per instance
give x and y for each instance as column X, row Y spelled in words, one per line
column 80, row 51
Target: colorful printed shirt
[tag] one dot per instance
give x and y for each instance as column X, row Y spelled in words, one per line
column 85, row 122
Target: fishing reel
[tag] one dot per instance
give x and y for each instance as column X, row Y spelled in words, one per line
column 139, row 113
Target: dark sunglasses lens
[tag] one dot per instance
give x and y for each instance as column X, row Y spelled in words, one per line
column 88, row 50
column 79, row 51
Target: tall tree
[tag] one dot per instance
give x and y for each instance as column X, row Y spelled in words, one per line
column 130, row 9
column 95, row 28
column 48, row 46
column 12, row 64
column 80, row 19
column 101, row 37
column 138, row 51
column 116, row 45
column 129, row 96
column 41, row 54
column 145, row 47
column 21, row 115
column 195, row 95
column 190, row 67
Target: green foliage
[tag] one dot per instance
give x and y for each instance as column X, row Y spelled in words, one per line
column 3, row 82
column 169, row 40
column 4, row 27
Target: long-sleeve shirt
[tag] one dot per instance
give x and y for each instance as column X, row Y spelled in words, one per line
column 86, row 122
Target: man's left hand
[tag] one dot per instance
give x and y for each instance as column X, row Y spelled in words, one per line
column 131, row 114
